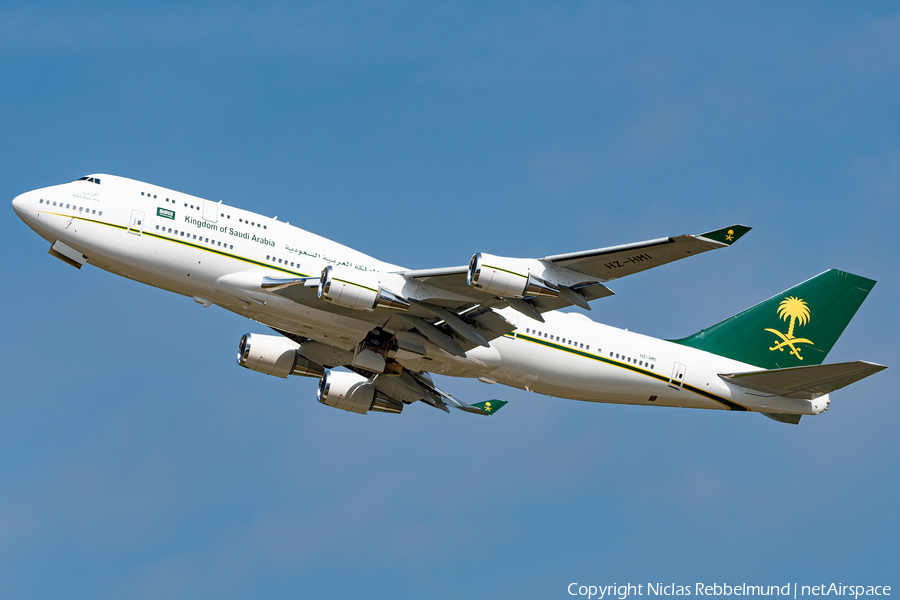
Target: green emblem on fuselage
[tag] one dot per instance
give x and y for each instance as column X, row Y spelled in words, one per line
column 165, row 213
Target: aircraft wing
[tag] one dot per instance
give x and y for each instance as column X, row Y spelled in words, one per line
column 589, row 268
column 614, row 262
column 457, row 317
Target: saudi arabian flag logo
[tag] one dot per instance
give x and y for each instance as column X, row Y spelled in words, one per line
column 796, row 312
column 490, row 407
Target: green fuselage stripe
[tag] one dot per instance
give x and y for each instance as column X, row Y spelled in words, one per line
column 622, row 365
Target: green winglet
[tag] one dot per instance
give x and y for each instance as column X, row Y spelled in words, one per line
column 490, row 406
column 726, row 235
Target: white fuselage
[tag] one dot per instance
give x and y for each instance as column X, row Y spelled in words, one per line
column 207, row 250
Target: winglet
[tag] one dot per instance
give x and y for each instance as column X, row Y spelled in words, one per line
column 489, row 407
column 726, row 235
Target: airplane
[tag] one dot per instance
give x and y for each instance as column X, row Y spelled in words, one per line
column 497, row 319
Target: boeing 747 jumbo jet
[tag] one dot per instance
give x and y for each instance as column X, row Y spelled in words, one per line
column 496, row 319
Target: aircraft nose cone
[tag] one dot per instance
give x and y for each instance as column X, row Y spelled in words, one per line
column 20, row 205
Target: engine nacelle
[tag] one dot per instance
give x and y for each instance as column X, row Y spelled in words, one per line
column 275, row 355
column 350, row 288
column 506, row 277
column 354, row 393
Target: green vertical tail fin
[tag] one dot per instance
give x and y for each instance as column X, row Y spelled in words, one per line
column 794, row 328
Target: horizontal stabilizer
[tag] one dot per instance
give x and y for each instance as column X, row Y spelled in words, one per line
column 805, row 383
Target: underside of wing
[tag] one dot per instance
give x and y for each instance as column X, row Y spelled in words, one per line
column 454, row 280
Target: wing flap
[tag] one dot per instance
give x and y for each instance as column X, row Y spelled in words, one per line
column 806, row 383
column 491, row 322
column 591, row 291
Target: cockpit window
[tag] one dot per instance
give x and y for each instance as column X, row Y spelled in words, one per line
column 91, row 179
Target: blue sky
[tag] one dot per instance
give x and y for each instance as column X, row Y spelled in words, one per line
column 138, row 461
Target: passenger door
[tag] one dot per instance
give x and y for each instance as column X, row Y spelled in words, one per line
column 136, row 225
column 677, row 379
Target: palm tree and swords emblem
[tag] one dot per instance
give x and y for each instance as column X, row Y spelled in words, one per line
column 796, row 312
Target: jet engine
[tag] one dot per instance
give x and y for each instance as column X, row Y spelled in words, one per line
column 354, row 393
column 506, row 277
column 274, row 355
column 350, row 288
